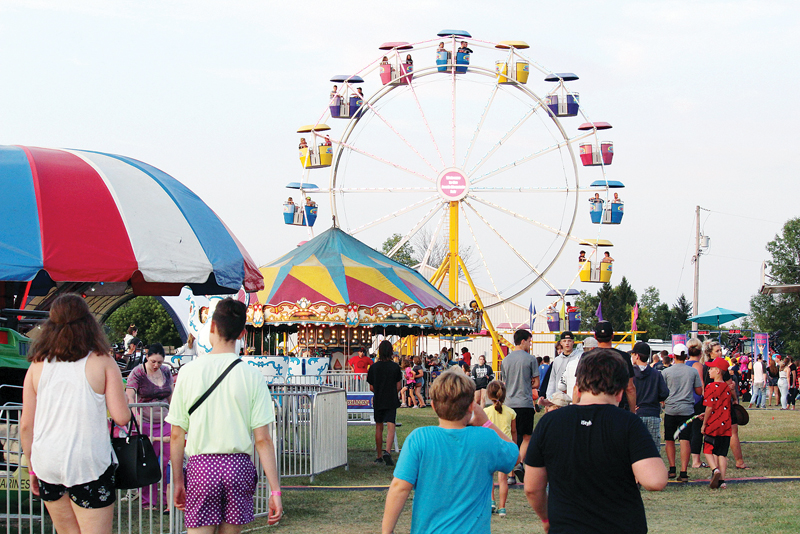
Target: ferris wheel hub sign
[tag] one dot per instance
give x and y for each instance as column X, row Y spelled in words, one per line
column 452, row 184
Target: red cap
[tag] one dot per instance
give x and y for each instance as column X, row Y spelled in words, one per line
column 719, row 363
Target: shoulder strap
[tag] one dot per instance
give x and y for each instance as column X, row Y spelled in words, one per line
column 199, row 401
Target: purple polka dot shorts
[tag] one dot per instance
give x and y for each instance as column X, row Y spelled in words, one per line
column 219, row 489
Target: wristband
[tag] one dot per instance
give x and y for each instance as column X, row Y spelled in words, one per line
column 545, row 521
column 487, row 424
column 30, row 472
column 275, row 492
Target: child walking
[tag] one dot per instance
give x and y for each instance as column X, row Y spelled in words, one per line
column 503, row 418
column 716, row 427
column 409, row 382
column 482, row 448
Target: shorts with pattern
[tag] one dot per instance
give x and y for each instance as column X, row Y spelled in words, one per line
column 219, row 489
column 95, row 494
column 653, row 425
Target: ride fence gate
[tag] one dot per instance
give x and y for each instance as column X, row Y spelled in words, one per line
column 309, row 433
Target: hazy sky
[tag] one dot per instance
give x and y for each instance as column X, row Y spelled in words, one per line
column 702, row 97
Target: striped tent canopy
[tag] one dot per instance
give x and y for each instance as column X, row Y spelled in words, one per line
column 336, row 279
column 108, row 226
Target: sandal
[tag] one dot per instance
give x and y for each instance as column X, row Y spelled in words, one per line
column 742, row 467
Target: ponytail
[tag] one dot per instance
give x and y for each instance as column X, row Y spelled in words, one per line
column 496, row 391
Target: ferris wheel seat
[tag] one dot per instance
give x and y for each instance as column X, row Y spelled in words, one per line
column 522, row 71
column 553, row 322
column 591, row 156
column 387, row 73
column 596, row 212
column 314, row 159
column 610, row 215
column 311, row 215
column 442, row 58
column 406, row 73
column 462, row 61
column 563, row 107
column 595, row 271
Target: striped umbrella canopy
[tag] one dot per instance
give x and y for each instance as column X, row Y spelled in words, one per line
column 77, row 216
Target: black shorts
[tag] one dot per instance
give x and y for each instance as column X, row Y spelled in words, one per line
column 719, row 447
column 525, row 421
column 386, row 415
column 671, row 424
column 96, row 494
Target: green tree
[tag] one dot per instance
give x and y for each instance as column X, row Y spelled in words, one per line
column 781, row 311
column 154, row 323
column 404, row 255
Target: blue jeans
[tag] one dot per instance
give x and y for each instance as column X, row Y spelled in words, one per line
column 759, row 396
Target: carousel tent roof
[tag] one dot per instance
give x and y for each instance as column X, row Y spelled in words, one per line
column 336, row 268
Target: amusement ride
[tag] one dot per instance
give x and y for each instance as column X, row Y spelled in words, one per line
column 477, row 164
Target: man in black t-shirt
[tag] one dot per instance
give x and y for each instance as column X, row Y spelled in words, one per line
column 592, row 454
column 604, row 334
column 384, row 378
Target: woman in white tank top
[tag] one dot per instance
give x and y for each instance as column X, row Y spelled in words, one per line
column 71, row 383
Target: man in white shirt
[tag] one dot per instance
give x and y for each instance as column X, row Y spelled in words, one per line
column 569, row 353
column 759, row 397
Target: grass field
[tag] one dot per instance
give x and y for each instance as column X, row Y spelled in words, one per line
column 745, row 506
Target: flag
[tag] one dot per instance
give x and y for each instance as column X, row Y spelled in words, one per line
column 531, row 312
column 634, row 316
column 562, row 312
column 599, row 311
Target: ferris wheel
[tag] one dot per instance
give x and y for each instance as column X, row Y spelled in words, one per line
column 470, row 152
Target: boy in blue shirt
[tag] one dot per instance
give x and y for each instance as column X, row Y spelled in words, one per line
column 482, row 447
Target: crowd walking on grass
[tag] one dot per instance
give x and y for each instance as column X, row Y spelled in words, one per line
column 582, row 463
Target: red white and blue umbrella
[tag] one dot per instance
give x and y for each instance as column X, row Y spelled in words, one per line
column 82, row 216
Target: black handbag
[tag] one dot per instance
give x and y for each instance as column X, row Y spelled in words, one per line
column 138, row 464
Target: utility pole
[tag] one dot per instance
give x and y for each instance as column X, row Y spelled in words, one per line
column 695, row 309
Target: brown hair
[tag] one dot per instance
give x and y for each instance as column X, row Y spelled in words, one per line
column 452, row 393
column 70, row 333
column 496, row 391
column 417, row 360
column 229, row 316
column 132, row 328
column 385, row 350
column 602, row 371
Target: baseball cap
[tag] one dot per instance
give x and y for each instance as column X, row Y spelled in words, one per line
column 719, row 363
column 566, row 334
column 604, row 330
column 642, row 348
column 680, row 348
column 590, row 343
column 556, row 399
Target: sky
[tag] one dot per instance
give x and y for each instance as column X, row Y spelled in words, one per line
column 701, row 96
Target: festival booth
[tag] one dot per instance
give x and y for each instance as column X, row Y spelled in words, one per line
column 336, row 293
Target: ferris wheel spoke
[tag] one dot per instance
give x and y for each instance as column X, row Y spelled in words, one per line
column 521, row 217
column 387, row 162
column 422, row 222
column 528, row 114
column 394, row 214
column 539, row 274
column 387, row 123
column 514, row 189
column 485, row 264
column 427, row 125
column 527, row 158
column 434, row 239
column 454, row 112
column 480, row 125
column 377, row 190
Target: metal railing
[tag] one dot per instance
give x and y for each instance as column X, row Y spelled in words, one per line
column 311, row 430
column 22, row 513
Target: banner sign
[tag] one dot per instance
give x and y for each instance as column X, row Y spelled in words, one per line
column 359, row 402
column 678, row 338
column 762, row 346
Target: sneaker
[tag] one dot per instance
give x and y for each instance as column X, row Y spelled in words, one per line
column 404, row 405
column 378, row 461
column 494, row 506
column 415, row 406
column 511, row 481
column 501, row 512
column 387, row 459
column 723, row 485
column 715, row 476
column 519, row 471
